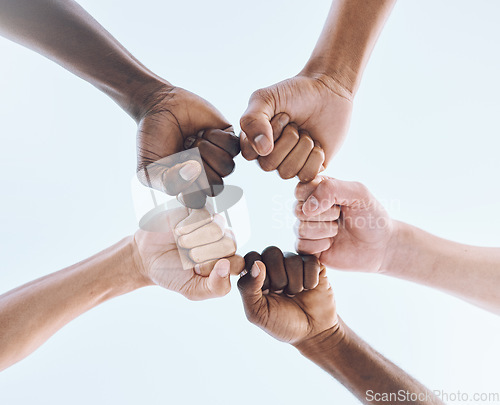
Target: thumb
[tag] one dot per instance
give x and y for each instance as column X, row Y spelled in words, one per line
column 256, row 123
column 179, row 177
column 250, row 286
column 217, row 283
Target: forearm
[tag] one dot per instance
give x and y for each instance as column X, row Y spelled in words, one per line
column 64, row 32
column 363, row 371
column 347, row 40
column 32, row 313
column 469, row 272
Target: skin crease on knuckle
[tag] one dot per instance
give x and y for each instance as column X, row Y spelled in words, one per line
column 273, row 258
column 312, row 270
column 294, row 267
column 224, row 140
column 317, row 230
column 218, row 159
column 296, row 159
column 284, row 145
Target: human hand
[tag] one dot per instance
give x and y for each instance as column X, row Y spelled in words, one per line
column 173, row 120
column 360, row 239
column 304, row 308
column 319, row 110
column 188, row 251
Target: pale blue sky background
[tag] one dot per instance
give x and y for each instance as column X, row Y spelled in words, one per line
column 424, row 136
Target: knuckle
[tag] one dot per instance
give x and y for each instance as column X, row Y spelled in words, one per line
column 268, row 165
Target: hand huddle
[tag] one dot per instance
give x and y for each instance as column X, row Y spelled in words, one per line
column 294, row 127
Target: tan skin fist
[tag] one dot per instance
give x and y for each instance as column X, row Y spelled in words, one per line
column 297, row 313
column 296, row 126
column 166, row 264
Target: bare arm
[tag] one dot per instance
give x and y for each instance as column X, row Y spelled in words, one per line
column 362, row 370
column 32, row 313
column 64, row 32
column 365, row 238
column 300, row 310
column 296, row 126
column 170, row 119
column 468, row 272
column 347, row 40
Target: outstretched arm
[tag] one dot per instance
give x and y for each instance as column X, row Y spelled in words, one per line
column 64, row 32
column 371, row 377
column 347, row 41
column 296, row 126
column 304, row 315
column 170, row 119
column 365, row 238
column 32, row 313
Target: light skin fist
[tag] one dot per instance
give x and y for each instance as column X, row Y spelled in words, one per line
column 168, row 249
column 296, row 126
column 173, row 120
column 296, row 314
column 343, row 225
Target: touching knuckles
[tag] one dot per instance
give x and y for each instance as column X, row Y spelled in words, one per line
column 286, row 273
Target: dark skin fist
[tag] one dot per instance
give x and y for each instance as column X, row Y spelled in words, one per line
column 175, row 120
column 287, row 295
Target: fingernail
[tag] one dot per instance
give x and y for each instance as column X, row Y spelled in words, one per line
column 263, row 144
column 197, row 269
column 223, row 268
column 311, row 204
column 255, row 270
column 190, row 171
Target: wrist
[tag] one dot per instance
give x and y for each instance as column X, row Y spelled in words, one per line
column 400, row 250
column 145, row 94
column 341, row 81
column 131, row 269
column 331, row 339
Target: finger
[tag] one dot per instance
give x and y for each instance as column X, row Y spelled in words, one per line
column 313, row 165
column 283, row 146
column 217, row 158
column 247, row 149
column 196, row 219
column 250, row 259
column 278, row 124
column 312, row 269
column 250, row 287
column 323, row 283
column 224, row 247
column 216, row 184
column 332, row 214
column 255, row 122
column 204, row 235
column 179, row 177
column 237, row 264
column 332, row 191
column 273, row 259
column 316, row 229
column 304, row 190
column 218, row 283
column 313, row 247
column 295, row 273
column 225, row 140
column 296, row 159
